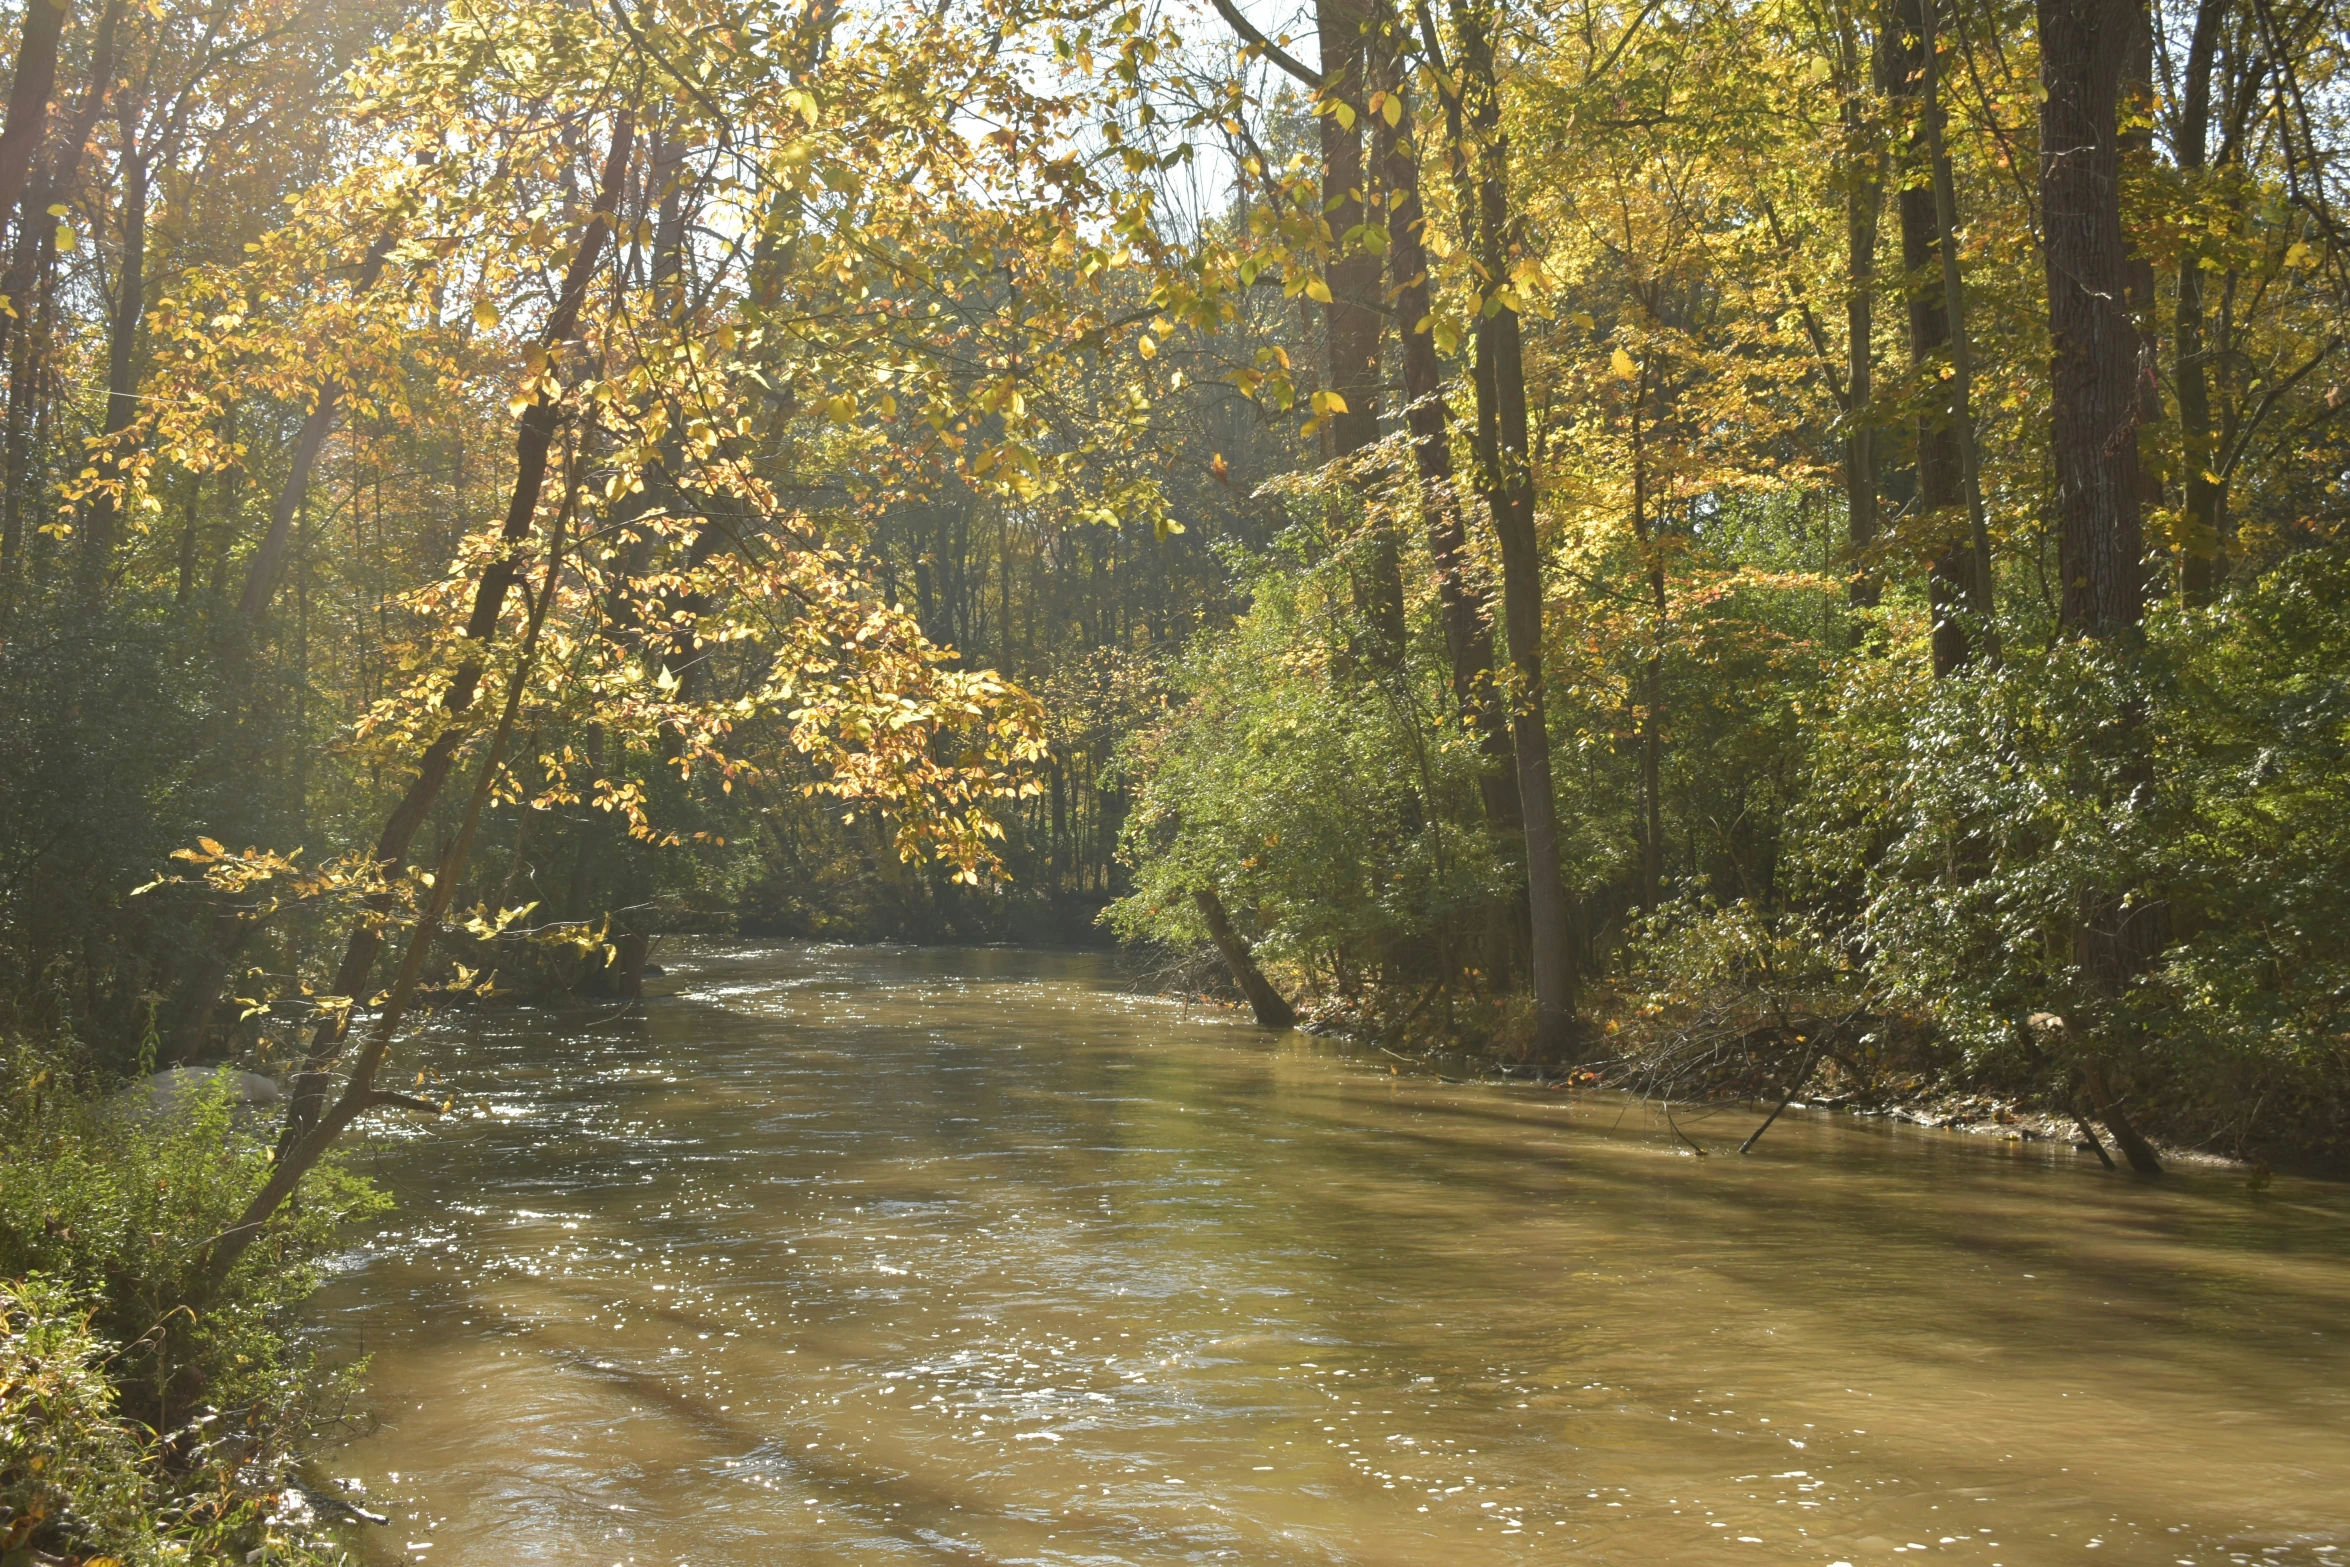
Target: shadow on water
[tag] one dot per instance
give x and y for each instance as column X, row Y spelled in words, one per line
column 870, row 1255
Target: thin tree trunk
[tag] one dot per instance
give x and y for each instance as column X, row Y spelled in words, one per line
column 28, row 98
column 1505, row 478
column 1468, row 636
column 2203, row 553
column 1864, row 205
column 1266, row 1002
column 1941, row 490
column 36, row 248
column 1652, row 745
column 122, row 386
column 1962, row 372
column 533, row 438
column 261, row 575
column 1352, row 322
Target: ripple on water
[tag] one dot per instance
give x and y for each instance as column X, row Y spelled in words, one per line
column 871, row 1255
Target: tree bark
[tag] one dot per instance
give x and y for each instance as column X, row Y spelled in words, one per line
column 122, row 385
column 28, row 98
column 1352, row 322
column 1468, row 636
column 2085, row 49
column 36, row 248
column 1266, row 1002
column 2203, row 552
column 1505, row 479
column 1940, row 488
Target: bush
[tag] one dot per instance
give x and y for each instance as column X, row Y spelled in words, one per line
column 1334, row 809
column 1955, row 830
column 173, row 1408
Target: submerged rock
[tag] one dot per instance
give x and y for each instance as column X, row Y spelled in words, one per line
column 173, row 1092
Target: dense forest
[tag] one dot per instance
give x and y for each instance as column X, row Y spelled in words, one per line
column 1705, row 542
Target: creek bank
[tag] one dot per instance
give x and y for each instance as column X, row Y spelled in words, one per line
column 1926, row 1100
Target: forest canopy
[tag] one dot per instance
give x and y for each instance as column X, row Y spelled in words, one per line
column 1720, row 547
column 1712, row 536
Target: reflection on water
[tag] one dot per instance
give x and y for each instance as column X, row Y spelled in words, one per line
column 856, row 1256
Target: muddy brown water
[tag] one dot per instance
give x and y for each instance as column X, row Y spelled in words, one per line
column 877, row 1256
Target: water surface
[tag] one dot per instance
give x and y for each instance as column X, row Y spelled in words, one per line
column 879, row 1255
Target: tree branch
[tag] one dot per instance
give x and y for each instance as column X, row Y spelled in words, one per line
column 1266, row 46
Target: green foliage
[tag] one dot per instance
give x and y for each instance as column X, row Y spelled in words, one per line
column 1338, row 804
column 1956, row 827
column 180, row 1416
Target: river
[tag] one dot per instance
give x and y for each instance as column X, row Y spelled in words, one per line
column 856, row 1255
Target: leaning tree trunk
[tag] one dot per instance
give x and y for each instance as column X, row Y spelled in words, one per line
column 2085, row 51
column 534, row 437
column 1266, row 1002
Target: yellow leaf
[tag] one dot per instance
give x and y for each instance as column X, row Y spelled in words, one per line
column 67, row 241
column 1582, row 318
column 485, row 315
column 1392, row 109
column 1346, row 116
column 1147, row 348
column 1622, row 364
column 1316, row 288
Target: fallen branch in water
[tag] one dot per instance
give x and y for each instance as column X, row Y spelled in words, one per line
column 1793, row 1088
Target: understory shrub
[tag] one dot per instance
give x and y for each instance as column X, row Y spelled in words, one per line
column 148, row 1417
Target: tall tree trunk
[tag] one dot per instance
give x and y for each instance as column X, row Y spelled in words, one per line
column 1961, row 384
column 28, row 266
column 1266, row 1002
column 1468, row 637
column 1352, row 321
column 1940, row 488
column 122, row 382
column 2203, row 552
column 2086, row 48
column 308, row 1136
column 1864, row 204
column 1652, row 677
column 534, row 436
column 1505, row 478
column 28, row 98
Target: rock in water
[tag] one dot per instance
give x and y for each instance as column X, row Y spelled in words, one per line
column 172, row 1092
